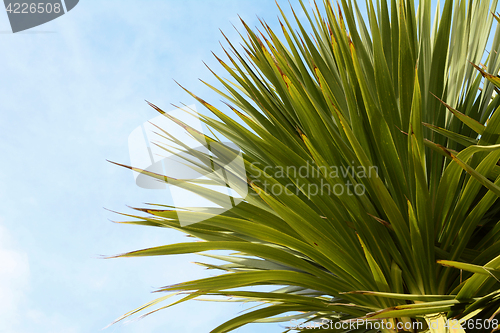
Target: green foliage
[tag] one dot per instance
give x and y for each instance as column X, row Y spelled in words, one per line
column 398, row 94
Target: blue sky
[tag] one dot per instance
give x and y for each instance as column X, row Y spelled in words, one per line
column 72, row 91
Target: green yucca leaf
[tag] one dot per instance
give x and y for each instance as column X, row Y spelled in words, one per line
column 394, row 101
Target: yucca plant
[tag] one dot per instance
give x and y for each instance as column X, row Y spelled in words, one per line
column 394, row 113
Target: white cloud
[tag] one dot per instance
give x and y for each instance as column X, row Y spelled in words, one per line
column 14, row 280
